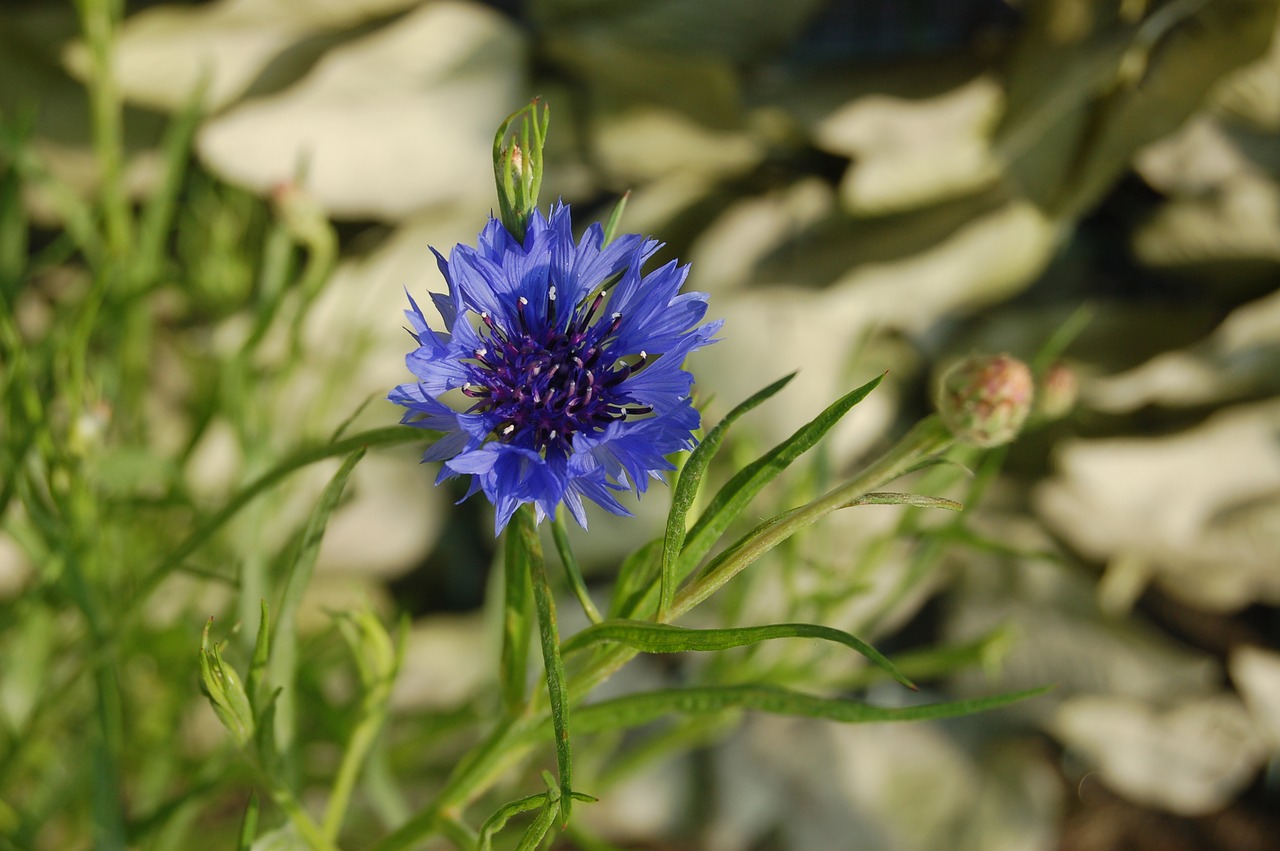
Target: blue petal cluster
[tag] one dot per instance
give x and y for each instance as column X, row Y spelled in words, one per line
column 567, row 362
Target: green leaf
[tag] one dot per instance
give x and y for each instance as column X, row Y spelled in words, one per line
column 249, row 824
column 635, row 579
column 390, row 436
column 505, row 813
column 537, row 831
column 665, row 638
column 635, row 710
column 283, row 660
column 742, row 488
column 261, row 654
column 158, row 213
column 913, row 499
column 572, row 571
column 927, row 438
column 615, row 218
column 686, row 491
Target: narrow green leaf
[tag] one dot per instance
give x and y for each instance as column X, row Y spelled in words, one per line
column 157, row 214
column 537, row 831
column 913, row 499
column 572, row 571
column 505, row 813
column 926, row 439
column 1062, row 337
column 359, row 409
column 389, row 436
column 665, row 638
column 298, row 573
column 517, row 615
column 249, row 824
column 615, row 218
column 636, row 580
column 742, row 488
column 261, row 652
column 523, row 528
column 283, row 662
column 635, row 710
column 686, row 491
column 939, row 661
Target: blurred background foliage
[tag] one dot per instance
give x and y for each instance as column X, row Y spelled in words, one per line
column 862, row 185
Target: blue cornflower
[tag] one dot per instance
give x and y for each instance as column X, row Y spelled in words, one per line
column 571, row 360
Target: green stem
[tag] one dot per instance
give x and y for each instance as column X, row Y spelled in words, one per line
column 373, row 714
column 571, row 569
column 549, row 632
column 97, row 19
column 302, row 822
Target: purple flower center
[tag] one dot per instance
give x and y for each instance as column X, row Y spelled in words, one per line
column 545, row 384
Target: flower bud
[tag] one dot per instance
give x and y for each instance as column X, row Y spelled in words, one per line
column 226, row 693
column 377, row 655
column 517, row 165
column 985, row 399
column 1059, row 389
column 301, row 214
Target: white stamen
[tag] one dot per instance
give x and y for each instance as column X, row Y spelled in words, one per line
column 523, row 301
column 510, row 428
column 551, row 293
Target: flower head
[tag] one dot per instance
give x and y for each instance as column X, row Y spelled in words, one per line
column 985, row 399
column 567, row 361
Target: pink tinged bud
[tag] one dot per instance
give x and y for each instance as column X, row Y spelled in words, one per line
column 1059, row 390
column 985, row 399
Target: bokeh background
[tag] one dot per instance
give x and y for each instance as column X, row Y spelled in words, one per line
column 861, row 185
